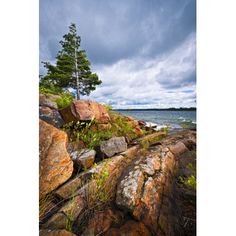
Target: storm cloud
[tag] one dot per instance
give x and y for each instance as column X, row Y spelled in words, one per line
column 144, row 51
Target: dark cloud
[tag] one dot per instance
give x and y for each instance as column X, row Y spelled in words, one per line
column 185, row 80
column 143, row 50
column 113, row 30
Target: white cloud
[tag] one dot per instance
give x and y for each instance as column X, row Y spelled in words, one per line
column 165, row 81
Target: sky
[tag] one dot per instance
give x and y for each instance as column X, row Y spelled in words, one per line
column 144, row 51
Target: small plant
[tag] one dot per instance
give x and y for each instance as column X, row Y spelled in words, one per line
column 189, row 181
column 161, row 226
column 108, row 107
column 44, row 204
column 69, row 218
column 70, row 213
column 69, row 223
column 121, row 126
column 49, row 89
column 87, row 132
column 91, row 134
column 65, row 100
column 97, row 191
column 145, row 144
column 192, row 167
column 166, row 129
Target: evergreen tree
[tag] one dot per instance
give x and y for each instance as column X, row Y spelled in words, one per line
column 72, row 69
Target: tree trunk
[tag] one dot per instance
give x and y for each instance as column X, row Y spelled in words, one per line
column 77, row 87
column 77, row 77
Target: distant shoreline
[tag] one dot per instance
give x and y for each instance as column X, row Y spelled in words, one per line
column 159, row 109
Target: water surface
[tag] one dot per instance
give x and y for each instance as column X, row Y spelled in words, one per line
column 174, row 119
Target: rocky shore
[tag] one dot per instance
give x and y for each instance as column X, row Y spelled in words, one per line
column 101, row 173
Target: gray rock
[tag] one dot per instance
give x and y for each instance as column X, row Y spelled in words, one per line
column 113, row 146
column 51, row 116
column 129, row 189
column 70, row 210
column 151, row 165
column 48, row 101
column 57, row 221
column 85, row 157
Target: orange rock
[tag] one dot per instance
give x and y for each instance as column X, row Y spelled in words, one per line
column 178, row 148
column 84, row 110
column 129, row 189
column 104, row 126
column 66, row 190
column 130, row 118
column 138, row 131
column 48, row 232
column 101, row 222
column 55, row 165
column 130, row 228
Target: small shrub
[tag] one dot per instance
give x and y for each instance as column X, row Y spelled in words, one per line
column 65, row 100
column 121, row 126
column 189, row 181
column 91, row 135
column 69, row 219
column 192, row 167
column 45, row 88
column 87, row 132
column 108, row 107
column 99, row 180
column 166, row 129
column 145, row 144
column 44, row 203
column 92, row 138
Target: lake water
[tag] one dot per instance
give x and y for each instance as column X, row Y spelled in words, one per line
column 174, row 119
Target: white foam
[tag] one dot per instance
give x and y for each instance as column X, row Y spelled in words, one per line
column 159, row 127
column 150, row 124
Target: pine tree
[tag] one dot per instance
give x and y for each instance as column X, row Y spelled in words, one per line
column 72, row 69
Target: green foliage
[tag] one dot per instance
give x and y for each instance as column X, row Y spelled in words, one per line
column 121, row 126
column 108, row 107
column 191, row 167
column 92, row 135
column 145, row 144
column 93, row 139
column 70, row 213
column 72, row 69
column 65, row 100
column 87, row 132
column 45, row 88
column 69, row 218
column 166, row 129
column 99, row 180
column 189, row 181
column 161, row 226
column 44, row 204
